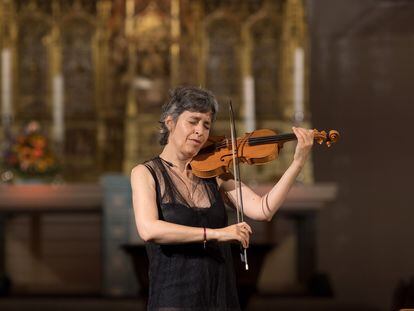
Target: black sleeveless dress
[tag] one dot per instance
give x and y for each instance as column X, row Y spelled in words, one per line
column 189, row 276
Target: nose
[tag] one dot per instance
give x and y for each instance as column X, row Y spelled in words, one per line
column 198, row 129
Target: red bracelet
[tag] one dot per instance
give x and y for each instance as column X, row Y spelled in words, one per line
column 205, row 237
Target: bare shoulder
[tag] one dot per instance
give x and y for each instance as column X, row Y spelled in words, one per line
column 140, row 175
column 143, row 194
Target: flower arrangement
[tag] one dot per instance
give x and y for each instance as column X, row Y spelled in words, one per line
column 29, row 155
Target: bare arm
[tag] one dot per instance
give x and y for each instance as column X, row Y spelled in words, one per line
column 151, row 228
column 263, row 208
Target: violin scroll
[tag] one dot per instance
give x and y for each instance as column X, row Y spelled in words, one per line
column 330, row 138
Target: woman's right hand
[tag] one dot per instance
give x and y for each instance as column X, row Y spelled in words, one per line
column 237, row 232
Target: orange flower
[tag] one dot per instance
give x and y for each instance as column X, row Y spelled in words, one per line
column 41, row 166
column 38, row 153
column 20, row 139
column 38, row 142
column 30, row 153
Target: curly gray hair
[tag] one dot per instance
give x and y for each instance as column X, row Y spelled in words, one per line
column 186, row 98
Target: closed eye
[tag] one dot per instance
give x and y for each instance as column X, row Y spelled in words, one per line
column 195, row 121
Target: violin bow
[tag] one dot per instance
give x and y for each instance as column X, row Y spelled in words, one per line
column 237, row 180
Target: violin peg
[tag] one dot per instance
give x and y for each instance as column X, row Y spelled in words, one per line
column 334, row 135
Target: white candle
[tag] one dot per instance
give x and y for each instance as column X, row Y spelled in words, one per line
column 249, row 104
column 298, row 85
column 6, row 94
column 58, row 111
column 129, row 22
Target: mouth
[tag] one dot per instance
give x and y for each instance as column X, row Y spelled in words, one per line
column 196, row 141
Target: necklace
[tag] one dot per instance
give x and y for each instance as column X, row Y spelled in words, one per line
column 191, row 192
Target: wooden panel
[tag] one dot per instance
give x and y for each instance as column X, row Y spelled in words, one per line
column 51, row 254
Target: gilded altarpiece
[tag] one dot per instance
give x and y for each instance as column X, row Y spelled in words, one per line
column 32, row 88
column 263, row 42
column 148, row 28
column 222, row 58
column 81, row 111
column 60, row 50
column 295, row 54
column 118, row 59
column 7, row 47
column 236, row 40
column 115, row 87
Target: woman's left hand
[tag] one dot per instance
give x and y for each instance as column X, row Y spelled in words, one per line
column 305, row 142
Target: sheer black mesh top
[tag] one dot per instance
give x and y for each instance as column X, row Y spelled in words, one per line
column 189, row 276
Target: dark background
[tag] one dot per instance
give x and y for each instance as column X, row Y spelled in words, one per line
column 362, row 84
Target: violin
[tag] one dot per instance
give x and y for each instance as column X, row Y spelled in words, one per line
column 258, row 147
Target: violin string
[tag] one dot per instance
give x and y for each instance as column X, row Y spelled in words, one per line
column 274, row 138
column 265, row 139
column 262, row 140
column 270, row 139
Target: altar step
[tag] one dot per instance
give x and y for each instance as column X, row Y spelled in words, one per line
column 257, row 303
column 270, row 303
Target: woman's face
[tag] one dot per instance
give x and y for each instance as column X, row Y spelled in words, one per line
column 190, row 132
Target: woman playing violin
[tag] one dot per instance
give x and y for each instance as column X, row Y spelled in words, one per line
column 182, row 217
